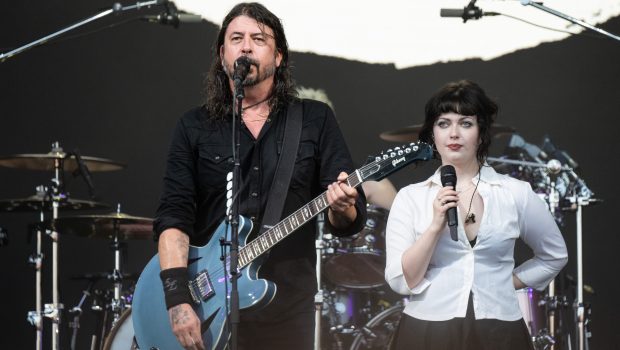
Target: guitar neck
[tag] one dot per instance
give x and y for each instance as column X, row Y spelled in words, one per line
column 380, row 168
column 281, row 230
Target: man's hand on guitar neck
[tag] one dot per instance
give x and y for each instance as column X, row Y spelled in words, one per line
column 186, row 326
column 341, row 198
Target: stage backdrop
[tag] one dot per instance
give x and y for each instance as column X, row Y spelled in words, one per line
column 118, row 91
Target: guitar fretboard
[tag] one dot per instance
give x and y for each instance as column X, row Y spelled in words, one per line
column 394, row 160
column 291, row 223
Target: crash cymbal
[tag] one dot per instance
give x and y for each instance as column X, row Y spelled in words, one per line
column 37, row 203
column 410, row 133
column 46, row 162
column 106, row 226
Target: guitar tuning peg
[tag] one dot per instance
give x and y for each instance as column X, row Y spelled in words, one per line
column 407, row 150
column 400, row 153
column 385, row 156
column 377, row 159
column 392, row 154
column 396, row 148
column 389, row 150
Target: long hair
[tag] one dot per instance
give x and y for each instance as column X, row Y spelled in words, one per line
column 465, row 98
column 219, row 98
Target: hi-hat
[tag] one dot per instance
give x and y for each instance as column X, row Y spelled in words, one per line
column 37, row 203
column 106, row 226
column 47, row 162
column 410, row 133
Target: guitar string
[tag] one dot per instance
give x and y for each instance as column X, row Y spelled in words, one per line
column 218, row 273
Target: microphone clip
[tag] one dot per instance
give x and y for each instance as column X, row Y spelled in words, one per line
column 471, row 11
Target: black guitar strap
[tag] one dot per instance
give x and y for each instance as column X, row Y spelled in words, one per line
column 284, row 169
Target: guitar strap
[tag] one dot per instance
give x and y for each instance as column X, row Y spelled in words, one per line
column 284, row 169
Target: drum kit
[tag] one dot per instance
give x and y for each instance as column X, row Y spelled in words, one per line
column 111, row 305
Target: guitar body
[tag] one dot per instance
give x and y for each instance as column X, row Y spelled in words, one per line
column 150, row 316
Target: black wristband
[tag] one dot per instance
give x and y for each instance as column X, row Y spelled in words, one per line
column 176, row 286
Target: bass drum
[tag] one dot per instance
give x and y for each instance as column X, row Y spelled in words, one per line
column 121, row 336
column 379, row 332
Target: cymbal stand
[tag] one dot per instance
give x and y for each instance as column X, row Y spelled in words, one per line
column 318, row 297
column 36, row 260
column 117, row 278
column 53, row 310
column 580, row 313
column 554, row 204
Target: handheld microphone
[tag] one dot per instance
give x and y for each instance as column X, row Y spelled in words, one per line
column 448, row 178
column 241, row 70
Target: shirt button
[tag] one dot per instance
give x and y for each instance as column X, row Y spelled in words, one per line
column 255, row 168
column 217, row 157
column 254, row 194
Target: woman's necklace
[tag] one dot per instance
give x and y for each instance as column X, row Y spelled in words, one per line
column 471, row 217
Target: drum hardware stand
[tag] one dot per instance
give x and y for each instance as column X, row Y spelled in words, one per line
column 77, row 312
column 318, row 297
column 553, row 202
column 580, row 314
column 53, row 310
column 117, row 278
column 36, row 261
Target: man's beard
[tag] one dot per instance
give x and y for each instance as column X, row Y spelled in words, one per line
column 262, row 73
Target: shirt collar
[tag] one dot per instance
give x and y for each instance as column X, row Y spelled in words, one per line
column 487, row 175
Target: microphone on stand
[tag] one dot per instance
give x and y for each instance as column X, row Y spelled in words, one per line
column 448, row 178
column 241, row 70
column 171, row 16
column 471, row 11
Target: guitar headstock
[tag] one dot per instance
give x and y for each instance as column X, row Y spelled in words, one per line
column 394, row 159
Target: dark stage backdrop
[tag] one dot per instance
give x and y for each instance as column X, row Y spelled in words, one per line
column 117, row 93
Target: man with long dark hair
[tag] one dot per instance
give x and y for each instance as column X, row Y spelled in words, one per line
column 193, row 201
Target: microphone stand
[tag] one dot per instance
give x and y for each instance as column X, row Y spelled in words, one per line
column 569, row 18
column 234, row 215
column 318, row 297
column 116, row 8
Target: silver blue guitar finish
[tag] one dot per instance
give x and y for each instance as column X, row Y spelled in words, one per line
column 150, row 316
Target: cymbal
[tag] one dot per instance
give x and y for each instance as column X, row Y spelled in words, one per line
column 410, row 133
column 46, row 162
column 106, row 226
column 37, row 203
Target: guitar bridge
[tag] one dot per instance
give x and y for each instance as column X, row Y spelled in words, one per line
column 201, row 287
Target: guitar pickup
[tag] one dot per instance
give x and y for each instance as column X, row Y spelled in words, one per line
column 201, row 287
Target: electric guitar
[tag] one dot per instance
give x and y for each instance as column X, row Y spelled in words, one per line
column 209, row 285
